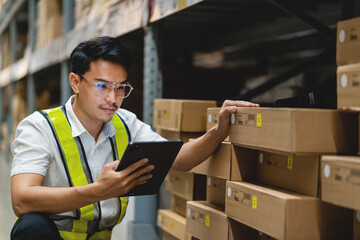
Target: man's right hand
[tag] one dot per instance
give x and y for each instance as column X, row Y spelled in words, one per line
column 113, row 184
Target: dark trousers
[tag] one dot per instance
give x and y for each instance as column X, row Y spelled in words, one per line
column 35, row 226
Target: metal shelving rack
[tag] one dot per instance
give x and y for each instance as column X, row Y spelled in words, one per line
column 181, row 18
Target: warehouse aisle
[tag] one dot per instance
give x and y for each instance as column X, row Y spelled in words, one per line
column 7, row 217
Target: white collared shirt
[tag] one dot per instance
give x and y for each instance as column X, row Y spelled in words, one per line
column 35, row 151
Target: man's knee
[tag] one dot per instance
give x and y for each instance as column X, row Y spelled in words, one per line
column 34, row 226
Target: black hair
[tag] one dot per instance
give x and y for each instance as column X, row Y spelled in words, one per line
column 105, row 48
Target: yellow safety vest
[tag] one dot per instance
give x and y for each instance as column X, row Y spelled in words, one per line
column 79, row 174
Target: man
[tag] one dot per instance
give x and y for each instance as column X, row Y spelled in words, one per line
column 63, row 183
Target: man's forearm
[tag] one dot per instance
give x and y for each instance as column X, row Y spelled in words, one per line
column 53, row 200
column 195, row 152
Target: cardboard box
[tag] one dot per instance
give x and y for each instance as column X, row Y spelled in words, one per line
column 174, row 135
column 178, row 205
column 348, row 87
column 187, row 185
column 238, row 231
column 348, row 41
column 295, row 173
column 295, row 130
column 206, row 221
column 172, row 223
column 181, row 115
column 340, row 180
column 215, row 191
column 167, row 236
column 286, row 215
column 229, row 162
column 356, row 225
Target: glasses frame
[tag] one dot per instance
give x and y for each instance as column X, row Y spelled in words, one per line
column 113, row 85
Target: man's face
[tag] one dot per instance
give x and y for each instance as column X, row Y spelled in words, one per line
column 92, row 105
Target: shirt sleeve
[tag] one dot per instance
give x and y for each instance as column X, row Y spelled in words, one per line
column 140, row 131
column 31, row 147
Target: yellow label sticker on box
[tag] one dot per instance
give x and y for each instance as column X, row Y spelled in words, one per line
column 207, row 220
column 254, row 202
column 172, row 226
column 258, row 120
column 290, row 162
column 182, row 4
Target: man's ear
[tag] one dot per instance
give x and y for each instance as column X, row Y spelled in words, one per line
column 74, row 82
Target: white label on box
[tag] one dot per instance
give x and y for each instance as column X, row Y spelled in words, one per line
column 327, row 170
column 244, row 198
column 188, row 212
column 344, row 81
column 233, row 118
column 261, row 158
column 209, row 181
column 209, row 118
column 229, row 191
column 342, row 36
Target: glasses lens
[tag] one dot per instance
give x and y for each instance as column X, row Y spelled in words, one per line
column 123, row 90
column 102, row 88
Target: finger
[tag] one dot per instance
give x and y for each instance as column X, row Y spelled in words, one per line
column 135, row 166
column 140, row 172
column 239, row 103
column 113, row 165
column 140, row 180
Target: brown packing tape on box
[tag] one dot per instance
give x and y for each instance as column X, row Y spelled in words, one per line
column 291, row 130
column 340, row 180
column 206, row 221
column 348, row 87
column 286, row 215
column 295, row 173
column 181, row 115
column 348, row 41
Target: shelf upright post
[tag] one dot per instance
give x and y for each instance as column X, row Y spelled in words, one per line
column 31, row 43
column 68, row 6
column 13, row 48
column 1, row 88
column 152, row 72
column 145, row 211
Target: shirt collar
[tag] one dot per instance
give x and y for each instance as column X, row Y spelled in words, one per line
column 77, row 128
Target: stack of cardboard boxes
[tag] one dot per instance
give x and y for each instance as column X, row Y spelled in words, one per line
column 87, row 10
column 264, row 183
column 49, row 22
column 180, row 119
column 340, row 174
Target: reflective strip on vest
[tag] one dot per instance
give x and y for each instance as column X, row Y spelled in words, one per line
column 121, row 144
column 73, row 161
column 77, row 173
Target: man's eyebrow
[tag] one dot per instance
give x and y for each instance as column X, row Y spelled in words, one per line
column 104, row 80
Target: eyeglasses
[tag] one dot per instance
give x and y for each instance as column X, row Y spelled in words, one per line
column 122, row 90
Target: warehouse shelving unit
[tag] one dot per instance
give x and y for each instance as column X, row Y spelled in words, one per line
column 173, row 55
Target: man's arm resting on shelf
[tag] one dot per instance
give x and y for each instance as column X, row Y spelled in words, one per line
column 29, row 195
column 195, row 152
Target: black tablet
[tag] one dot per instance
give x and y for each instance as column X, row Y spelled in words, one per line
column 160, row 154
